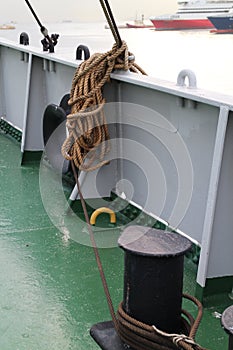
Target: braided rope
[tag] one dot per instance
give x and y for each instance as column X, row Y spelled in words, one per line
column 88, row 140
column 146, row 337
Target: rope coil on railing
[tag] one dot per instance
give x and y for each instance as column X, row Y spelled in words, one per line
column 88, row 138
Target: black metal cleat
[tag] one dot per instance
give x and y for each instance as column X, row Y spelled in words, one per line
column 49, row 43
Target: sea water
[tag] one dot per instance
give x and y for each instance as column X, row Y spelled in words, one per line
column 162, row 54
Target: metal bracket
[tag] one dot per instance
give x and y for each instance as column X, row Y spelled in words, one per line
column 24, row 39
column 187, row 73
column 82, row 49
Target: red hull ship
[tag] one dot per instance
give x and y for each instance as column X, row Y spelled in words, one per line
column 192, row 14
column 173, row 24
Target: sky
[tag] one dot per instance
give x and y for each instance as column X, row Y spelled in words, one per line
column 85, row 10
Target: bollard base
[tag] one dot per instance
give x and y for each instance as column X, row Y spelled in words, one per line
column 106, row 337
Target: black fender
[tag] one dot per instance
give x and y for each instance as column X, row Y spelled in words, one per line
column 54, row 135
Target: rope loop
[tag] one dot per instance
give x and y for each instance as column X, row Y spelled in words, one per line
column 141, row 336
column 88, row 138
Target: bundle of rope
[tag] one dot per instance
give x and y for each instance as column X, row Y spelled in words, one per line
column 141, row 336
column 88, row 140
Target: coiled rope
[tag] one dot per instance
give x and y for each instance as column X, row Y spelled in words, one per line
column 88, row 140
column 141, row 336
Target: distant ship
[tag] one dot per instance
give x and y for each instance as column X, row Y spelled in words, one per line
column 223, row 23
column 139, row 23
column 6, row 26
column 192, row 14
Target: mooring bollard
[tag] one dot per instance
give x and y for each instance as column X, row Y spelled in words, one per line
column 227, row 323
column 153, row 282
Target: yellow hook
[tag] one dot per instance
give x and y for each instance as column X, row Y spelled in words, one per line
column 102, row 210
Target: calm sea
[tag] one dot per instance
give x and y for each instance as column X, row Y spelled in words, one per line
column 163, row 54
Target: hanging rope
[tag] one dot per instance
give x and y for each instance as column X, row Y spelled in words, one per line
column 88, row 140
column 95, row 249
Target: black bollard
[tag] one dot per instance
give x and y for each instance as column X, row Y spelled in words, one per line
column 153, row 280
column 227, row 323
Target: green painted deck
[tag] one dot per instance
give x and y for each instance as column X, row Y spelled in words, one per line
column 50, row 290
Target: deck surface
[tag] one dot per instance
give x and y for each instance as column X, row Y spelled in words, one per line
column 50, row 290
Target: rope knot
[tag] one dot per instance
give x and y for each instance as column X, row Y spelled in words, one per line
column 178, row 339
column 182, row 337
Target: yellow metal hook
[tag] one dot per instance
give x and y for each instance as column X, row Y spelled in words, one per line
column 102, row 210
